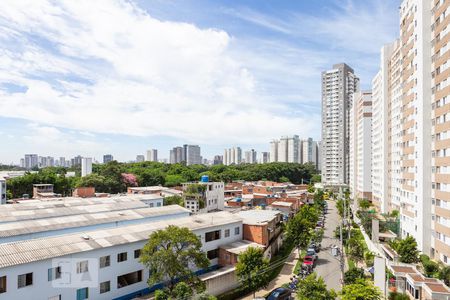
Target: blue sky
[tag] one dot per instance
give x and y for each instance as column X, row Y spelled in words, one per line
column 120, row 77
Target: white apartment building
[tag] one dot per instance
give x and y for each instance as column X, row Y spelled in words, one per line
column 309, row 152
column 338, row 86
column 294, row 150
column 31, row 161
column 395, row 127
column 264, row 157
column 283, row 149
column 361, row 146
column 273, row 151
column 86, row 166
column 381, row 132
column 212, row 198
column 92, row 263
column 232, row 156
column 251, row 156
column 193, row 156
column 152, row 155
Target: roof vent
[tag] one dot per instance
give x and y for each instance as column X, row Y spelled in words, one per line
column 86, row 237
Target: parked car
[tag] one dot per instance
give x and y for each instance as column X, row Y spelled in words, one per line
column 312, row 252
column 315, row 246
column 280, row 294
column 308, row 260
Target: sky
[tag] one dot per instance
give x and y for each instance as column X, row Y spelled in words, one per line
column 120, row 77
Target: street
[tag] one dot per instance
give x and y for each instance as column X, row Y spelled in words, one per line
column 328, row 266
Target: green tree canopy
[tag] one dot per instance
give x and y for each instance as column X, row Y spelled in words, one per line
column 352, row 275
column 406, row 249
column 313, row 287
column 251, row 269
column 398, row 296
column 300, row 227
column 356, row 249
column 169, row 254
column 361, row 290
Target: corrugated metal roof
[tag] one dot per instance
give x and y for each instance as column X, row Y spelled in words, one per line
column 22, row 252
column 58, row 223
column 67, row 207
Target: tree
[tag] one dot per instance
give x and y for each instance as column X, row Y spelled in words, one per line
column 364, row 204
column 355, row 249
column 204, row 296
column 444, row 274
column 169, row 254
column 352, row 275
column 161, row 295
column 407, row 249
column 175, row 199
column 251, row 269
column 317, row 236
column 361, row 290
column 300, row 227
column 284, row 179
column 313, row 287
column 182, row 291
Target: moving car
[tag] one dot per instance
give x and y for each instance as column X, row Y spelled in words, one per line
column 280, row 294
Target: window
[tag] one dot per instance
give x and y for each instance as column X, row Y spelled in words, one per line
column 212, row 236
column 158, row 204
column 2, row 284
column 105, row 287
column 211, row 254
column 83, row 293
column 58, row 297
column 151, row 204
column 130, row 278
column 24, row 280
column 121, row 257
column 82, row 267
column 54, row 273
column 237, row 230
column 105, row 261
column 137, row 253
column 227, row 233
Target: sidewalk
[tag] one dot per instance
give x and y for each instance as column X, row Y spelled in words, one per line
column 282, row 278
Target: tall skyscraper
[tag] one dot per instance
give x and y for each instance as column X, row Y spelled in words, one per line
column 31, row 161
column 107, row 158
column 152, row 155
column 360, row 174
column 338, row 86
column 86, row 166
column 309, row 152
column 192, row 155
column 232, row 156
column 250, row 156
column 274, row 151
column 265, row 157
column 218, row 160
column 62, row 161
column 283, row 149
column 140, row 158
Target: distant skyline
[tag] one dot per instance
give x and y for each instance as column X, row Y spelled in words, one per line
column 165, row 73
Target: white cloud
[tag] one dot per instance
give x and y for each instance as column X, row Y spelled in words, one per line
column 109, row 67
column 51, row 140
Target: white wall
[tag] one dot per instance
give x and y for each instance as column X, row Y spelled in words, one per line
column 43, row 289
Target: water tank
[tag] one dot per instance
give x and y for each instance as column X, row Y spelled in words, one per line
column 205, row 178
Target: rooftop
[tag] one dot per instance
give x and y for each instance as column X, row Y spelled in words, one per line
column 88, row 219
column 282, row 203
column 257, row 216
column 240, row 246
column 38, row 209
column 22, row 252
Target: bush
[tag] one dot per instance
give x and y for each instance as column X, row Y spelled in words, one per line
column 431, row 268
column 352, row 275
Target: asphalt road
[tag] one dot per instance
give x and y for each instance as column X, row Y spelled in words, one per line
column 328, row 266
